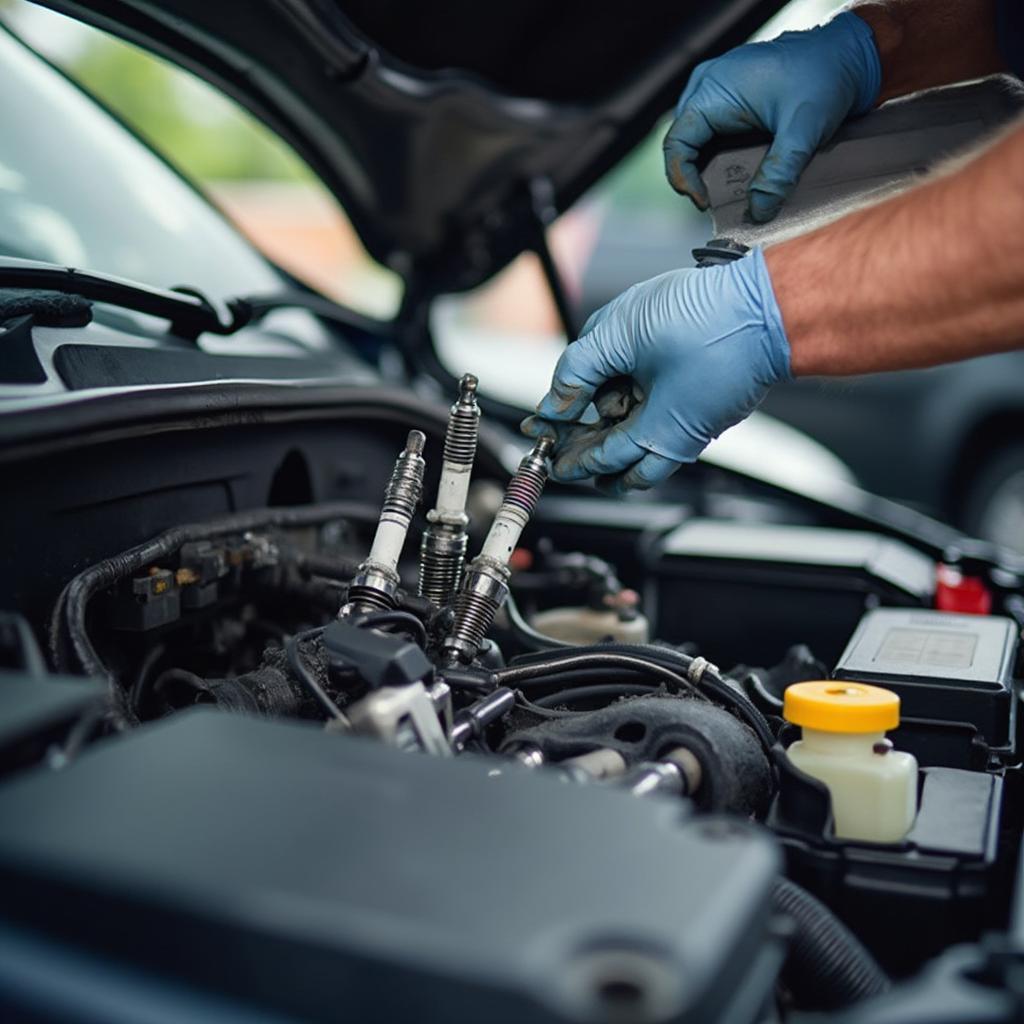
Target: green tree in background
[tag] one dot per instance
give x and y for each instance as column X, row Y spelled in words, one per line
column 197, row 128
column 200, row 130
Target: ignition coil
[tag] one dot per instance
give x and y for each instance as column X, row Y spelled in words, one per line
column 485, row 585
column 443, row 549
column 375, row 585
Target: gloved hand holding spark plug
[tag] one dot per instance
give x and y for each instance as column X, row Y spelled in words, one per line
column 702, row 347
column 699, row 349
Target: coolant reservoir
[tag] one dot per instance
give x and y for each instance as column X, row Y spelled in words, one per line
column 873, row 787
column 591, row 625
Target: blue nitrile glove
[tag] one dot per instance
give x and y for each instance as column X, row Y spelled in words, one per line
column 701, row 346
column 800, row 87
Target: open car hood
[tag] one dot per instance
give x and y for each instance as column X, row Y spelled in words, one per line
column 450, row 132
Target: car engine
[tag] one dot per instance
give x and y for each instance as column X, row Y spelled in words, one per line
column 342, row 758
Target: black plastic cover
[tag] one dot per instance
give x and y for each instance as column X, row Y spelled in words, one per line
column 19, row 362
column 953, row 668
column 379, row 658
column 36, row 711
column 743, row 588
column 906, row 901
column 19, row 650
column 103, row 366
column 333, row 878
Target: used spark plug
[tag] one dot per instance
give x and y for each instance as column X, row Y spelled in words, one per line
column 443, row 549
column 375, row 585
column 485, row 584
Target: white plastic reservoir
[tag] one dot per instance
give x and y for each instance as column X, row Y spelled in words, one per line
column 873, row 787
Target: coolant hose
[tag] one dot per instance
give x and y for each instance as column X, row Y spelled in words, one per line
column 827, row 966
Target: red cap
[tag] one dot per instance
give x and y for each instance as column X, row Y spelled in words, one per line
column 955, row 592
column 520, row 560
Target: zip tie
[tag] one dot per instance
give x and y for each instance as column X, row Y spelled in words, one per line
column 697, row 669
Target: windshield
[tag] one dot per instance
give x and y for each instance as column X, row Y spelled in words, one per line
column 76, row 188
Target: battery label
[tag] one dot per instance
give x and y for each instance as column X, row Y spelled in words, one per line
column 927, row 647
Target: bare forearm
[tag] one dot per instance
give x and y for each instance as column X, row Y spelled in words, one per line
column 931, row 276
column 924, row 43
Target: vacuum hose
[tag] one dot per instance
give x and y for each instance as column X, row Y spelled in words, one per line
column 827, row 966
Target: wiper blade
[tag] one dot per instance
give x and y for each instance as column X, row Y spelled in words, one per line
column 187, row 310
column 256, row 307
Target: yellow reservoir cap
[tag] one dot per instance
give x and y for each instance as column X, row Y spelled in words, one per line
column 841, row 706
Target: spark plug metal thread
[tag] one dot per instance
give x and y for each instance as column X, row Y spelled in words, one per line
column 463, row 424
column 375, row 585
column 443, row 548
column 485, row 584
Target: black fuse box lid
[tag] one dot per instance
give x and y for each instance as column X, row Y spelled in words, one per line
column 944, row 666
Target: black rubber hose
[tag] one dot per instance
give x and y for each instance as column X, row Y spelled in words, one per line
column 405, row 622
column 332, row 568
column 153, row 655
column 567, row 679
column 711, row 682
column 530, row 638
column 183, row 676
column 592, row 657
column 827, row 966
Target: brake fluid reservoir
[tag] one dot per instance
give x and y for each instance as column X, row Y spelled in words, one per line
column 843, row 744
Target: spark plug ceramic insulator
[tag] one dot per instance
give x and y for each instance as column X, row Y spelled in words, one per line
column 375, row 585
column 443, row 549
column 485, row 584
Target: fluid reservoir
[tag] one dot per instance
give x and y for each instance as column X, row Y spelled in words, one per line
column 592, row 625
column 843, row 744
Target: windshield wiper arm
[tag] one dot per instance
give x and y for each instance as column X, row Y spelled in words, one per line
column 187, row 310
column 254, row 308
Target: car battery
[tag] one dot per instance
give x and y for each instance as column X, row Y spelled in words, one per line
column 945, row 667
column 739, row 587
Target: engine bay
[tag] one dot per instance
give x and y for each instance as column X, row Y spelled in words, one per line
column 497, row 760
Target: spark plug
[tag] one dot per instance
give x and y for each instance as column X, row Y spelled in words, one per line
column 485, row 584
column 443, row 549
column 375, row 584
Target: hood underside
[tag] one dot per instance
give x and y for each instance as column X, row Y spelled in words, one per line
column 449, row 132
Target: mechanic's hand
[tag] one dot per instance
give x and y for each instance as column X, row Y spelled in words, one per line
column 701, row 346
column 800, row 87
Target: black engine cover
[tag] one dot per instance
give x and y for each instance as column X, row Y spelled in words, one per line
column 328, row 877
